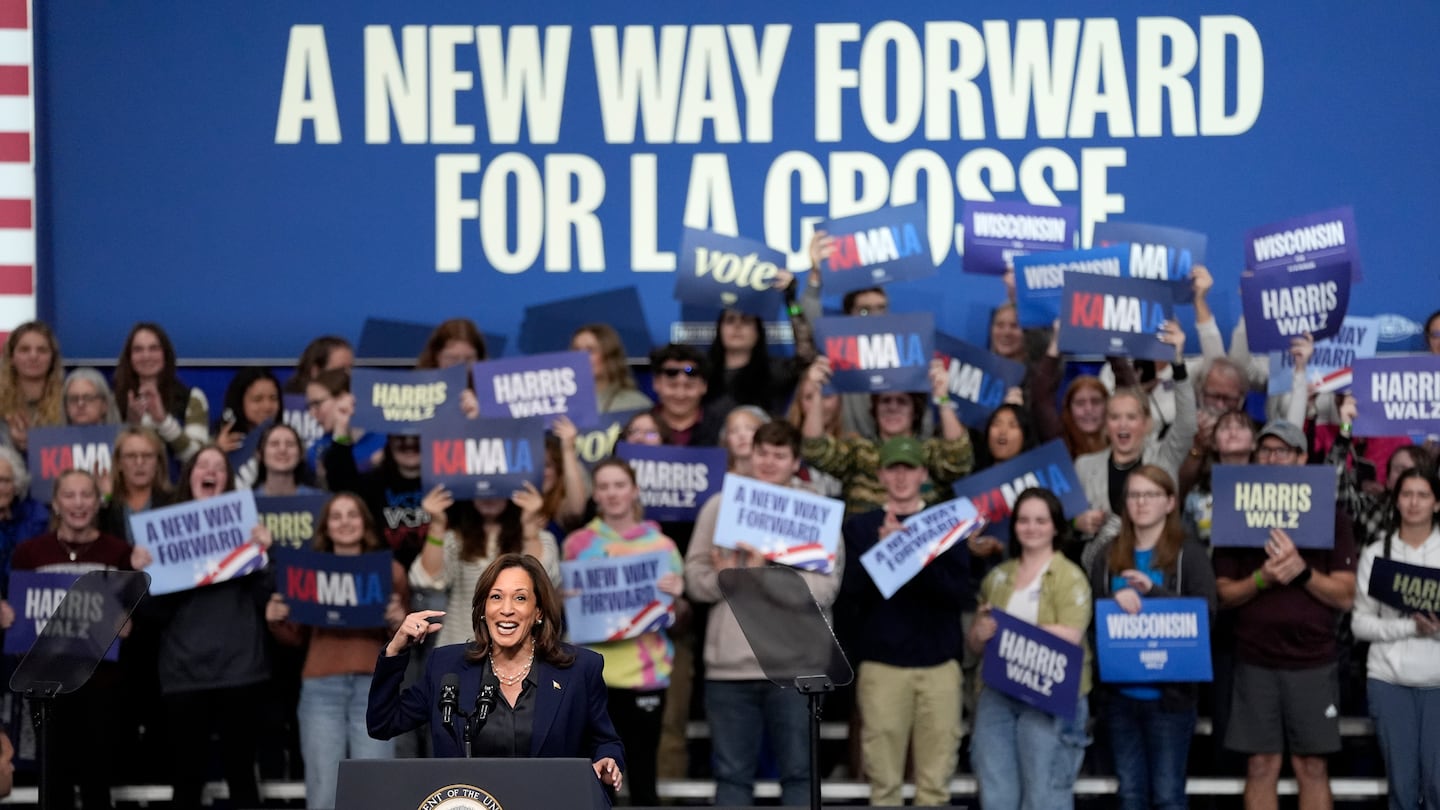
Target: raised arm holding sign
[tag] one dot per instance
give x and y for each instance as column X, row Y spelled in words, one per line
column 998, row 232
column 1157, row 251
column 1116, row 316
column 1305, row 242
column 403, row 401
column 876, row 248
column 878, row 352
column 1396, row 395
column 1281, row 305
column 537, row 385
column 728, row 272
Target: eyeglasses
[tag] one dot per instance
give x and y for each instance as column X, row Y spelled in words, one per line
column 879, row 309
column 1275, row 452
column 1226, row 400
column 900, row 401
column 642, row 434
column 1145, row 497
column 136, row 457
column 673, row 371
column 83, row 399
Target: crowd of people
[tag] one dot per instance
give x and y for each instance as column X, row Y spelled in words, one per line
column 224, row 666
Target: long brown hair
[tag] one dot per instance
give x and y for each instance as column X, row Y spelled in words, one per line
column 1076, row 440
column 469, row 527
column 371, row 539
column 173, row 393
column 545, row 631
column 312, row 361
column 1172, row 536
column 184, row 494
column 552, row 498
column 614, row 364
column 461, row 329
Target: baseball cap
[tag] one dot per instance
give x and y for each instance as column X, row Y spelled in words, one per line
column 901, row 450
column 1287, row 432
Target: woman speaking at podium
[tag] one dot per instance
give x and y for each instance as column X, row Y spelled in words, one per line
column 538, row 696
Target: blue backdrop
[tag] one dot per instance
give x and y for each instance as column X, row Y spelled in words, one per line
column 195, row 170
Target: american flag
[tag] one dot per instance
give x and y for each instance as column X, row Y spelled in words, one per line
column 17, row 167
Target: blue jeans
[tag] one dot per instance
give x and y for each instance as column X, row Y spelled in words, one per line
column 1025, row 759
column 1151, row 749
column 739, row 711
column 1405, row 721
column 332, row 728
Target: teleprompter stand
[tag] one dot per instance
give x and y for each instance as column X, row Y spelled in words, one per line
column 65, row 654
column 791, row 639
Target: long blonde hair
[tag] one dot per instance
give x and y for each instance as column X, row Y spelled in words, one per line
column 50, row 408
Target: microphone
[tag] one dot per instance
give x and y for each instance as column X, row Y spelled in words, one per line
column 484, row 702
column 449, row 696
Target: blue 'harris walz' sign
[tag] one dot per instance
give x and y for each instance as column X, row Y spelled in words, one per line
column 1033, row 666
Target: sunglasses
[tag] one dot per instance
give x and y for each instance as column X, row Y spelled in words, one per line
column 672, row 372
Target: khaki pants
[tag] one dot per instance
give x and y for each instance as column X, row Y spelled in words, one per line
column 673, row 760
column 914, row 708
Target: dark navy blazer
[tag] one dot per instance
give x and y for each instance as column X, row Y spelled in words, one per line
column 571, row 718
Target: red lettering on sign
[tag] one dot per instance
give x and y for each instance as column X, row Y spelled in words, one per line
column 55, row 460
column 991, row 505
column 449, row 457
column 843, row 352
column 1087, row 309
column 300, row 585
column 846, row 255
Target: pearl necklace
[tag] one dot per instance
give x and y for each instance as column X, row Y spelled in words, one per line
column 511, row 680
